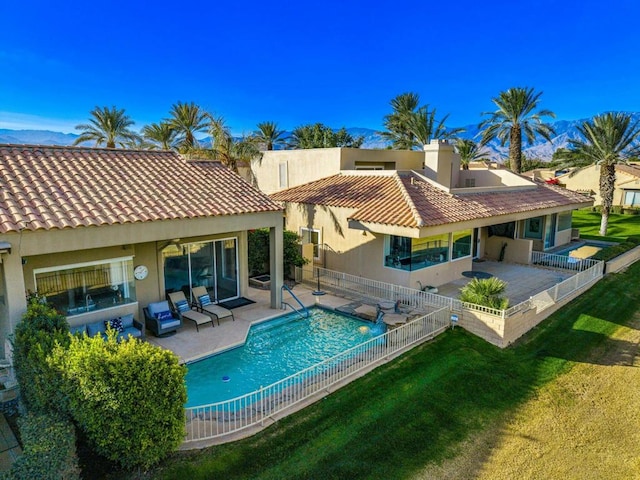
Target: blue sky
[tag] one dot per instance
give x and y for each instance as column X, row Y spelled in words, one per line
column 335, row 62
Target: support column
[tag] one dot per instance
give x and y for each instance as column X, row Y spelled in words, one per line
column 276, row 264
column 15, row 303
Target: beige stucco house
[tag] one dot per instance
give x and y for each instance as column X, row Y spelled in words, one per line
column 587, row 180
column 425, row 220
column 103, row 232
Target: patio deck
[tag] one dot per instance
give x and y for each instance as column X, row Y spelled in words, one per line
column 523, row 281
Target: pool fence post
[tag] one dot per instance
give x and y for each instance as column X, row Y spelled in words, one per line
column 262, row 406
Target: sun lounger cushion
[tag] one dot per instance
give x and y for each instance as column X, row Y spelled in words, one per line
column 204, row 300
column 182, row 306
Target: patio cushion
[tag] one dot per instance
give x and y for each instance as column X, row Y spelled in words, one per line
column 174, row 322
column 78, row 329
column 115, row 324
column 164, row 315
column 204, row 300
column 127, row 321
column 156, row 307
column 182, row 306
column 96, row 328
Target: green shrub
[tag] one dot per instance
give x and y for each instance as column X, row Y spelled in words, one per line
column 128, row 397
column 41, row 329
column 613, row 251
column 258, row 259
column 486, row 292
column 49, row 449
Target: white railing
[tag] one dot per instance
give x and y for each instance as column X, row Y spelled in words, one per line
column 560, row 290
column 345, row 283
column 223, row 418
column 562, row 262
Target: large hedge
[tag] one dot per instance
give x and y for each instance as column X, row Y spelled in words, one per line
column 128, row 397
column 49, row 449
column 41, row 329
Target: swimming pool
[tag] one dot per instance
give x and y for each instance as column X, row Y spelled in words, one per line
column 581, row 250
column 274, row 350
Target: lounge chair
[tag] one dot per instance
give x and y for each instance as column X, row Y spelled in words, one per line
column 181, row 307
column 203, row 303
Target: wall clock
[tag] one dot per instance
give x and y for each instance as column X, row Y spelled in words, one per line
column 140, row 272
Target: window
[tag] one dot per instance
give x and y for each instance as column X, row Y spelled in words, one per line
column 310, row 235
column 282, row 175
column 416, row 253
column 564, row 220
column 85, row 287
column 533, row 228
column 632, row 198
column 461, row 244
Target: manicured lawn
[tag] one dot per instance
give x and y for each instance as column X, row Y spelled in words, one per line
column 619, row 228
column 418, row 410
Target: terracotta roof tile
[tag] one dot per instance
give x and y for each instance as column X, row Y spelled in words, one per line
column 406, row 199
column 48, row 187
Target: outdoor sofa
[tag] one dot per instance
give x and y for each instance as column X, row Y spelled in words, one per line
column 126, row 326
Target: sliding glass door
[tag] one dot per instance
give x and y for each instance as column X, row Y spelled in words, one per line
column 213, row 265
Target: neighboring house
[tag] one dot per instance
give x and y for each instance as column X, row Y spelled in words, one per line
column 104, row 232
column 280, row 169
column 587, row 180
column 426, row 225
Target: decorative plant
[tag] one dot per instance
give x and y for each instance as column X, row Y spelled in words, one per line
column 259, row 251
column 486, row 292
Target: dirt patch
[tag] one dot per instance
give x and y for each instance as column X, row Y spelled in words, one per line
column 584, row 425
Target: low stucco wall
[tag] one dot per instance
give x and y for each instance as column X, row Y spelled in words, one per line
column 622, row 261
column 503, row 332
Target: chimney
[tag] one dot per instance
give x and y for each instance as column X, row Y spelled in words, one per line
column 442, row 163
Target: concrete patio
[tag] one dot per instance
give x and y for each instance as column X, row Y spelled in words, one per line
column 523, row 281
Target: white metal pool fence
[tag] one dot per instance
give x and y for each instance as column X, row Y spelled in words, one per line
column 587, row 271
column 224, row 418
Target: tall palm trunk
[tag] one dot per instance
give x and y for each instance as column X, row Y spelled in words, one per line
column 607, row 182
column 515, row 148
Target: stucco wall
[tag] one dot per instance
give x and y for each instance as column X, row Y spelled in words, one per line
column 517, row 251
column 623, row 261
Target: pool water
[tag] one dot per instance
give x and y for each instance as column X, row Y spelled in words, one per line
column 274, row 350
column 585, row 250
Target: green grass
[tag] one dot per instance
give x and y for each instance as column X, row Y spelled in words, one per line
column 619, row 228
column 416, row 410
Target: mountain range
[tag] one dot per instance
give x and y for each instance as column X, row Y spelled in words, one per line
column 541, row 149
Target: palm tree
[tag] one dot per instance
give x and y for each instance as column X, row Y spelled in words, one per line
column 397, row 122
column 188, row 119
column 469, row 151
column 162, row 134
column 515, row 116
column 606, row 140
column 269, row 135
column 228, row 150
column 424, row 127
column 109, row 126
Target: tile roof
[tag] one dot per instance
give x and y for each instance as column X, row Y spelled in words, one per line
column 405, row 199
column 50, row 187
column 630, row 169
